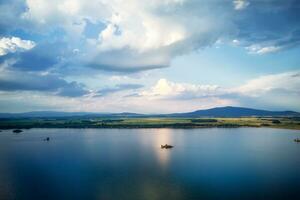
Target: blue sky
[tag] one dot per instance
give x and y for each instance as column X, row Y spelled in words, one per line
column 154, row 56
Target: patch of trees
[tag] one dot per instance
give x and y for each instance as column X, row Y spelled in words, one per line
column 203, row 120
column 111, row 120
column 276, row 121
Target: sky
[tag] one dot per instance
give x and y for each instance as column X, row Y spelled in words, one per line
column 149, row 56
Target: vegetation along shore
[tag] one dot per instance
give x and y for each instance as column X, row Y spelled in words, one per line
column 278, row 122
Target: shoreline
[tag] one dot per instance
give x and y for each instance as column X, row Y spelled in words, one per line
column 136, row 123
column 143, row 127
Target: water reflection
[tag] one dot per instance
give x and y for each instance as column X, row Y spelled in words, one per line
column 162, row 136
column 129, row 164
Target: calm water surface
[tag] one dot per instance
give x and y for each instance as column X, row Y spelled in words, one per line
column 241, row 163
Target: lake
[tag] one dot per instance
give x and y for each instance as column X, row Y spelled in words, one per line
column 215, row 163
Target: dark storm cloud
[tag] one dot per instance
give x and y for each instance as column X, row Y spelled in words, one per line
column 21, row 81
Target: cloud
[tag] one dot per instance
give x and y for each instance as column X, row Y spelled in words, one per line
column 240, row 4
column 165, row 89
column 257, row 49
column 47, row 42
column 268, row 26
column 284, row 82
column 128, row 60
column 10, row 16
column 42, row 57
column 14, row 44
column 141, row 34
column 266, row 91
column 273, row 91
column 11, row 81
column 117, row 88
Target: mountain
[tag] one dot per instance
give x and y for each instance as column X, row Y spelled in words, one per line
column 234, row 112
column 37, row 114
column 213, row 112
column 54, row 114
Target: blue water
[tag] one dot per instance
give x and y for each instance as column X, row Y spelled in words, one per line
column 216, row 163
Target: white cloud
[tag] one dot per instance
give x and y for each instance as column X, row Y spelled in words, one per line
column 36, row 101
column 70, row 7
column 288, row 82
column 148, row 105
column 146, row 33
column 236, row 42
column 276, row 91
column 284, row 83
column 259, row 49
column 265, row 92
column 240, row 4
column 166, row 96
column 13, row 44
column 165, row 89
column 150, row 33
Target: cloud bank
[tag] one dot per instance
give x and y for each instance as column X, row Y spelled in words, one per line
column 142, row 35
column 269, row 92
column 45, row 44
column 284, row 82
column 11, row 81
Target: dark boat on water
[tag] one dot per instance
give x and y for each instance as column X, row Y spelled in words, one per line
column 17, row 131
column 166, row 146
column 297, row 140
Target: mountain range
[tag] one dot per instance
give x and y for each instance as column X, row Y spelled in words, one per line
column 228, row 111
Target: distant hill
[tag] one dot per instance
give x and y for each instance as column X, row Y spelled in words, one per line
column 54, row 114
column 37, row 114
column 234, row 112
column 213, row 112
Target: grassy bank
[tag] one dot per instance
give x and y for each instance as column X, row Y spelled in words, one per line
column 287, row 123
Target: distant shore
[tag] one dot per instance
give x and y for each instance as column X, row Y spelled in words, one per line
column 285, row 123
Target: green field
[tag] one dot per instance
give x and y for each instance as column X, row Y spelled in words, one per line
column 287, row 123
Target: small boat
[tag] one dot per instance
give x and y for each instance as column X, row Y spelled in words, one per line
column 297, row 140
column 17, row 131
column 47, row 139
column 166, row 146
